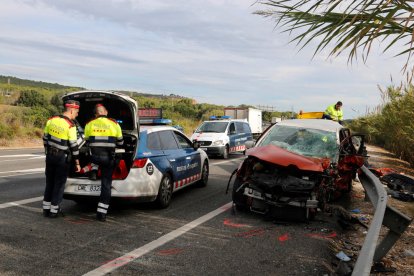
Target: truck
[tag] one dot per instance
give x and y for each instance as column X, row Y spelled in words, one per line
column 252, row 115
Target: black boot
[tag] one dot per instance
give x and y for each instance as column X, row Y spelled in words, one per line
column 101, row 216
column 46, row 212
column 55, row 215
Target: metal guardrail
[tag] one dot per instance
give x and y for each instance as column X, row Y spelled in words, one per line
column 396, row 222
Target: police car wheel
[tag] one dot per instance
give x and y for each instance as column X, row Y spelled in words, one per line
column 204, row 175
column 164, row 192
column 226, row 152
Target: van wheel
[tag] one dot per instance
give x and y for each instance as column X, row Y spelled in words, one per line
column 226, row 152
column 204, row 175
column 164, row 192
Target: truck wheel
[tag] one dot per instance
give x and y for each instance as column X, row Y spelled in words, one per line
column 226, row 152
column 164, row 192
column 204, row 175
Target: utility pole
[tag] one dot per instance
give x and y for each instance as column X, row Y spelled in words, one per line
column 8, row 87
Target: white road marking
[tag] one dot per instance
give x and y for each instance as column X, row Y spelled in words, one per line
column 26, row 170
column 131, row 256
column 227, row 161
column 20, row 202
column 20, row 155
column 31, row 158
column 22, row 172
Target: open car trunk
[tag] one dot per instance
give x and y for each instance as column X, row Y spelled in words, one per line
column 120, row 107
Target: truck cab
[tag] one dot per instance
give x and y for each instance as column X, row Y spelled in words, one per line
column 221, row 136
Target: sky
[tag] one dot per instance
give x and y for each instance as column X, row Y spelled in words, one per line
column 214, row 51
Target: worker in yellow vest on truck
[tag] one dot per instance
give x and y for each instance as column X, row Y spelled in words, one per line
column 334, row 112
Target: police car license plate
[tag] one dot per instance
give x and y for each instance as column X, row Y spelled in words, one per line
column 94, row 188
column 205, row 149
column 89, row 188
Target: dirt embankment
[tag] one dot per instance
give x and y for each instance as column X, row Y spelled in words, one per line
column 21, row 143
column 401, row 257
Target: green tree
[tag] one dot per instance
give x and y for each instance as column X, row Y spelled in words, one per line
column 266, row 116
column 348, row 25
column 31, row 98
column 56, row 101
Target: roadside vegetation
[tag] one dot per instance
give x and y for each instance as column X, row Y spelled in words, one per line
column 391, row 125
column 26, row 105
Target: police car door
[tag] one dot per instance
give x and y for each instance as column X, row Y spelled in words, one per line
column 175, row 155
column 243, row 135
column 192, row 158
column 232, row 136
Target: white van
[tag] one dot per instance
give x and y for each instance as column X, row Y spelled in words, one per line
column 223, row 136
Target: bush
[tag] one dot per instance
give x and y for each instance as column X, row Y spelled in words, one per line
column 7, row 131
column 37, row 116
column 31, row 98
column 392, row 127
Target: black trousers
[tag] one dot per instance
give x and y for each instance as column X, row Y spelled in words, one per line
column 57, row 169
column 105, row 159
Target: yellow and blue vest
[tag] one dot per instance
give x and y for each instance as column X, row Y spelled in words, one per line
column 103, row 132
column 60, row 133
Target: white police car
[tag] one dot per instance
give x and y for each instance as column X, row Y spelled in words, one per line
column 151, row 165
column 223, row 135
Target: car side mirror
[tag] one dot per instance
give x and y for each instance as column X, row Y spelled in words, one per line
column 249, row 144
column 196, row 145
column 357, row 142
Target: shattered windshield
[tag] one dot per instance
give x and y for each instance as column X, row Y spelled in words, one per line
column 213, row 127
column 304, row 141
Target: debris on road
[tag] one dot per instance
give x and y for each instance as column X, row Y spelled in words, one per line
column 343, row 257
column 400, row 186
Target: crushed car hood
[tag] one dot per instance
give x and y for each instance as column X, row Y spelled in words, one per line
column 278, row 156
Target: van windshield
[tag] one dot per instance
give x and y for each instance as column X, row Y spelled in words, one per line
column 218, row 127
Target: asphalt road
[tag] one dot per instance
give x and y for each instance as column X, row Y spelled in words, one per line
column 199, row 234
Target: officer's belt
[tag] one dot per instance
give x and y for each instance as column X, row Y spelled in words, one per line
column 54, row 151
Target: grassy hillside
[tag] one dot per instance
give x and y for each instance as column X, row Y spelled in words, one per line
column 25, row 106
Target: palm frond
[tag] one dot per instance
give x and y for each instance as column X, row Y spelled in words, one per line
column 346, row 25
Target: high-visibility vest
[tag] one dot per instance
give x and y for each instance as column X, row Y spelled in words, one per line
column 103, row 132
column 60, row 133
column 336, row 115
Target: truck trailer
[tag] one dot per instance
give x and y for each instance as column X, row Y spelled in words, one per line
column 252, row 115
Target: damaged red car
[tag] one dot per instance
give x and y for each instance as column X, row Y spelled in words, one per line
column 296, row 167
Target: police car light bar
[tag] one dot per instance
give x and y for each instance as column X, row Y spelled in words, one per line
column 155, row 121
column 220, row 117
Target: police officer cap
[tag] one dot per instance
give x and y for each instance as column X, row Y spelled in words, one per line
column 72, row 104
column 339, row 103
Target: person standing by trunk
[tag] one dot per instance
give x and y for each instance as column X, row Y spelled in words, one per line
column 334, row 112
column 103, row 135
column 61, row 147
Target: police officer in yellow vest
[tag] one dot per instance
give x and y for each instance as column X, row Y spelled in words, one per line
column 103, row 135
column 334, row 112
column 59, row 140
